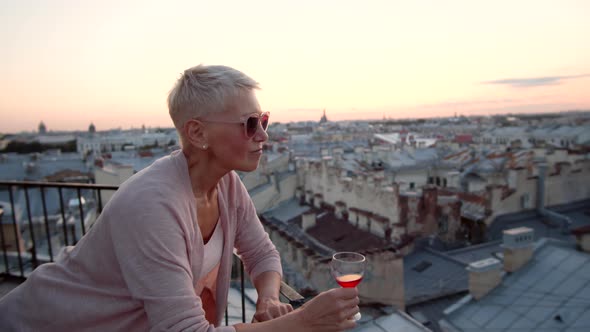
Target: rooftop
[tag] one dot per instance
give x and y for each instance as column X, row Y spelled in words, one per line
column 429, row 274
column 340, row 235
column 328, row 235
column 550, row 293
column 578, row 212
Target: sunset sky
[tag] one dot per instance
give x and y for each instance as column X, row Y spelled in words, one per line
column 70, row 63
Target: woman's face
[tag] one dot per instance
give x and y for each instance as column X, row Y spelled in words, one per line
column 229, row 145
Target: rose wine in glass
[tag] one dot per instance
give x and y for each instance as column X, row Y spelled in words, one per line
column 348, row 269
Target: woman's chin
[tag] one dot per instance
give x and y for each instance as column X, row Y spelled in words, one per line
column 251, row 167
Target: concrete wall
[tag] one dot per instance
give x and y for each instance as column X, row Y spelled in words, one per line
column 571, row 184
column 368, row 193
column 275, row 192
column 405, row 178
column 254, row 179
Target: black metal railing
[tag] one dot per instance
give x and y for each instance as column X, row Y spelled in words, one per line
column 25, row 249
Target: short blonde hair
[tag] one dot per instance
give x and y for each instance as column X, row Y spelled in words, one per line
column 203, row 90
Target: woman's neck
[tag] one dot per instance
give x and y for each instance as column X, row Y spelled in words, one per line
column 204, row 174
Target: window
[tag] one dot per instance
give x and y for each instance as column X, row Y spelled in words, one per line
column 412, row 185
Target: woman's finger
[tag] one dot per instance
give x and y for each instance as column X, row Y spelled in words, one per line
column 349, row 313
column 346, row 324
column 350, row 303
column 285, row 309
column 344, row 293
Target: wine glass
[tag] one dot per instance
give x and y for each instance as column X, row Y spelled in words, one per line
column 348, row 269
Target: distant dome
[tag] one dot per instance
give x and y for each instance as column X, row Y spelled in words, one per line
column 91, row 128
column 42, row 128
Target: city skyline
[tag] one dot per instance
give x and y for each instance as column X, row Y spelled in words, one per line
column 69, row 64
column 48, row 130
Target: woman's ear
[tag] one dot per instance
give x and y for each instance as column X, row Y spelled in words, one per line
column 195, row 134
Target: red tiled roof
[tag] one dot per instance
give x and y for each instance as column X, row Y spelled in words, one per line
column 581, row 230
column 342, row 236
column 464, row 138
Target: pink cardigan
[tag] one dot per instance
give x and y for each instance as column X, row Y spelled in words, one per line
column 136, row 269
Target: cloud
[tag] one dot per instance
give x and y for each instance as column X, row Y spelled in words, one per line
column 534, row 81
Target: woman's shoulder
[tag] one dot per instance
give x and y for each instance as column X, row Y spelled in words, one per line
column 162, row 181
column 232, row 185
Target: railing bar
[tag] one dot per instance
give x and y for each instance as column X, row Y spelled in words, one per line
column 44, row 203
column 99, row 200
column 243, row 292
column 71, row 185
column 289, row 293
column 3, row 244
column 31, row 229
column 16, row 232
column 81, row 212
column 63, row 216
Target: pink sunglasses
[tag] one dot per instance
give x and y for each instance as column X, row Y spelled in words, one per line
column 249, row 122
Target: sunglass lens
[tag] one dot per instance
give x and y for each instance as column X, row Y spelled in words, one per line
column 251, row 126
column 264, row 122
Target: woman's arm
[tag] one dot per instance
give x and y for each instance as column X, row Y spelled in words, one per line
column 330, row 311
column 252, row 243
column 268, row 305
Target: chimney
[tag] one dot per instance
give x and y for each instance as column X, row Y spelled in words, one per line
column 484, row 276
column 518, row 247
column 352, row 216
column 308, row 197
column 318, row 200
column 299, row 195
column 340, row 208
column 308, row 220
column 541, row 185
column 582, row 235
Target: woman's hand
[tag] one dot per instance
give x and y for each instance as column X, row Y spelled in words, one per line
column 330, row 311
column 268, row 308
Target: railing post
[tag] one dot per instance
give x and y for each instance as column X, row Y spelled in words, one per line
column 47, row 231
column 16, row 232
column 99, row 191
column 3, row 241
column 31, row 229
column 243, row 291
column 63, row 216
column 226, row 317
column 81, row 211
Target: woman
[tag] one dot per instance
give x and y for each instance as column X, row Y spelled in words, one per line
column 159, row 256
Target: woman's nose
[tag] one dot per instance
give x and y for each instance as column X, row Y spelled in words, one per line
column 261, row 134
